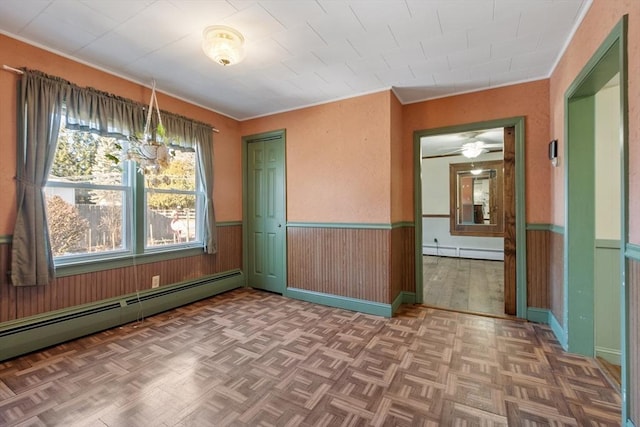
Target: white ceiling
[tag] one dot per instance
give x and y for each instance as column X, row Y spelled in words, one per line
column 305, row 52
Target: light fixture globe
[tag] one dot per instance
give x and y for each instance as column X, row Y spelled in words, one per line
column 223, row 44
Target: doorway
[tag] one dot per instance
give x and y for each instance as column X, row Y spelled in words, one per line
column 514, row 222
column 264, row 207
column 582, row 259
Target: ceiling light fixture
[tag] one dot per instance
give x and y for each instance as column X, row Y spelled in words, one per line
column 223, row 44
column 471, row 150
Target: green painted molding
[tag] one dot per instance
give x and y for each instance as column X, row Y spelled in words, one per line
column 5, row 240
column 352, row 304
column 558, row 229
column 128, row 260
column 354, row 225
column 632, row 251
column 395, row 305
column 228, row 223
column 403, row 224
column 558, row 330
column 538, row 315
column 608, row 244
column 408, row 297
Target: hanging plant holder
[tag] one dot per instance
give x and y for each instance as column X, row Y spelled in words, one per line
column 150, row 151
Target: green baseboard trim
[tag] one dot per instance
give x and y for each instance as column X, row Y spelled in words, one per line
column 630, row 423
column 611, row 355
column 558, row 229
column 37, row 332
column 395, row 305
column 538, row 315
column 352, row 304
column 408, row 297
column 632, row 251
column 558, row 331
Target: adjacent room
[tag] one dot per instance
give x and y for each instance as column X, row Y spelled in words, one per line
column 320, row 212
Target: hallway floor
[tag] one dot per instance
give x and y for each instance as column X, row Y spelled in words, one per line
column 464, row 284
column 249, row 358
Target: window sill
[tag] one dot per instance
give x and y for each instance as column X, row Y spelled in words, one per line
column 120, row 261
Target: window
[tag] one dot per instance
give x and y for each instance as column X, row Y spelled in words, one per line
column 91, row 200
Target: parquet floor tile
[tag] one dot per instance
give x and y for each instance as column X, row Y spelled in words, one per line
column 249, row 358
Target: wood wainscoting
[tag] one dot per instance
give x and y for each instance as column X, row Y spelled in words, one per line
column 633, row 345
column 370, row 264
column 64, row 292
column 545, row 248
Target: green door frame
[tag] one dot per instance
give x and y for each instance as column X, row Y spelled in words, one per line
column 521, row 246
column 266, row 136
column 579, row 240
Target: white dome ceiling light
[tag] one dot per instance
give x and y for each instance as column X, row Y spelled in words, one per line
column 223, row 45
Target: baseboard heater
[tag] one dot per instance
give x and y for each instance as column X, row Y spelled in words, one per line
column 37, row 332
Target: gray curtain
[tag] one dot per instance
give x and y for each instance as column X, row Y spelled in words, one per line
column 204, row 150
column 41, row 109
column 40, row 103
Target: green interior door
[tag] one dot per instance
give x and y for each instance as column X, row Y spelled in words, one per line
column 266, row 214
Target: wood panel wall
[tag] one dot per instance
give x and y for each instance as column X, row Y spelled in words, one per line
column 538, row 273
column 64, row 292
column 556, row 275
column 367, row 264
column 402, row 261
column 633, row 282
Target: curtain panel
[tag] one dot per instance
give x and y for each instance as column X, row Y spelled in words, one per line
column 41, row 103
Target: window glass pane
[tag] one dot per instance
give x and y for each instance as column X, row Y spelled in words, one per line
column 83, row 157
column 179, row 175
column 173, row 224
column 78, row 225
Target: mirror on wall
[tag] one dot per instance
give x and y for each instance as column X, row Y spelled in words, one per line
column 475, row 194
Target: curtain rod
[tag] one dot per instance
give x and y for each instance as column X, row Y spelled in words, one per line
column 15, row 70
column 18, row 71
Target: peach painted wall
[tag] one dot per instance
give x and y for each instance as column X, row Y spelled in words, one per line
column 596, row 26
column 227, row 152
column 401, row 197
column 530, row 100
column 338, row 159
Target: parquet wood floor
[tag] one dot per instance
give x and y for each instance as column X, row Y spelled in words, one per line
column 464, row 284
column 250, row 358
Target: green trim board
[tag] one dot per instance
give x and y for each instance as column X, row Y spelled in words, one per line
column 607, row 244
column 351, row 225
column 346, row 303
column 558, row 229
column 558, row 330
column 521, row 256
column 37, row 332
column 228, row 223
column 128, row 260
column 610, row 58
column 538, row 315
column 5, row 240
column 632, row 251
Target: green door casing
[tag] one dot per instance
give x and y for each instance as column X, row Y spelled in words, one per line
column 266, row 231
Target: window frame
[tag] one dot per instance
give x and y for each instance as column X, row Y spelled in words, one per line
column 134, row 235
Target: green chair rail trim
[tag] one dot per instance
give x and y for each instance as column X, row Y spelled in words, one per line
column 632, row 251
column 228, row 223
column 352, row 225
column 608, row 244
column 558, row 229
column 352, row 304
column 6, row 240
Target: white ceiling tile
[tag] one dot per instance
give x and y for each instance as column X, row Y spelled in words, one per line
column 446, row 44
column 469, row 57
column 457, row 15
column 292, row 13
column 305, row 51
column 15, row 14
